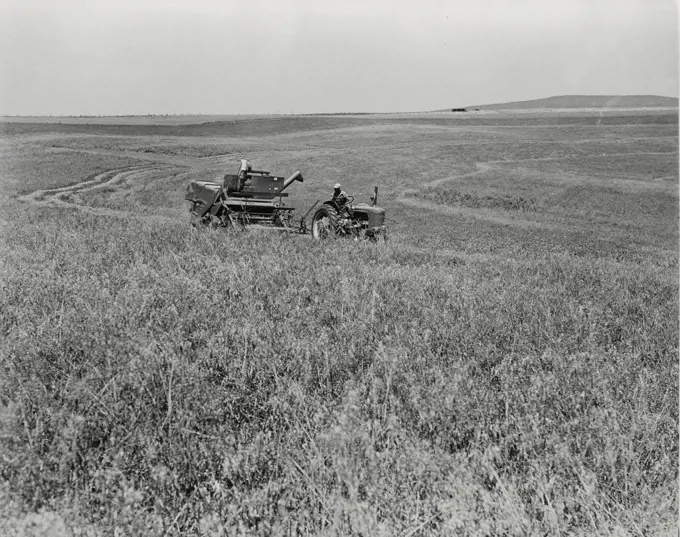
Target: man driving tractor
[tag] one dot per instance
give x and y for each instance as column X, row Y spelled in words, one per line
column 339, row 195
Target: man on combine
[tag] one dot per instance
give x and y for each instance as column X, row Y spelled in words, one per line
column 245, row 169
column 339, row 195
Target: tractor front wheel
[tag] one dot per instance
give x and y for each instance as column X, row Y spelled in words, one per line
column 325, row 222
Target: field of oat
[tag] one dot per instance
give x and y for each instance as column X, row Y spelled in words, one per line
column 506, row 364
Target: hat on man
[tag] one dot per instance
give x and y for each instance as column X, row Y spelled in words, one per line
column 336, row 186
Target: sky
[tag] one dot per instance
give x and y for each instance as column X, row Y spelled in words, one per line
column 96, row 57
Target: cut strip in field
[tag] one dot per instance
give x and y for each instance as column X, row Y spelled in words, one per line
column 624, row 191
column 618, row 167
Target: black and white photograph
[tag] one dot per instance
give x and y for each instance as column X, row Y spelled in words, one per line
column 339, row 268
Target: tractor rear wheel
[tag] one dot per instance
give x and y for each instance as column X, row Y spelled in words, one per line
column 325, row 222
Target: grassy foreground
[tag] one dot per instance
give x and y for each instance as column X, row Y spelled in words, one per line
column 160, row 381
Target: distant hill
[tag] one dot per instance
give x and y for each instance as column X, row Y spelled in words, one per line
column 585, row 101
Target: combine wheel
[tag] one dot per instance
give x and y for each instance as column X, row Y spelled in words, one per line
column 325, row 222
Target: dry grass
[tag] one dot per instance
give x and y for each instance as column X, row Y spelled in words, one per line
column 468, row 378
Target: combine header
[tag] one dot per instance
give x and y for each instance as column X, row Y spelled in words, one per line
column 255, row 197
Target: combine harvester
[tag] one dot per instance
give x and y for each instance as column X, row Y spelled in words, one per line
column 255, row 198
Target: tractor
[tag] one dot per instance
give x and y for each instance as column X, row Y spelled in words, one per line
column 255, row 197
column 358, row 221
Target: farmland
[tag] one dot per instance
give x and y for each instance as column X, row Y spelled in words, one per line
column 505, row 364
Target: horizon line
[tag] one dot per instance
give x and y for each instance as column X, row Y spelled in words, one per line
column 293, row 113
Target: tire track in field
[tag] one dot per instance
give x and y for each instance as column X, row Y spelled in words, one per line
column 68, row 197
column 152, row 167
column 157, row 163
